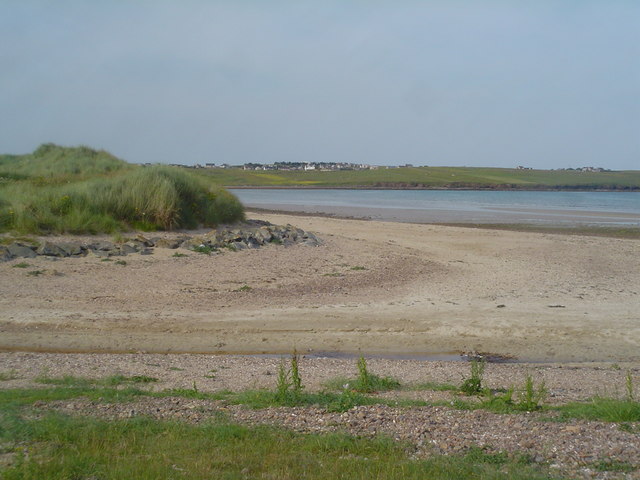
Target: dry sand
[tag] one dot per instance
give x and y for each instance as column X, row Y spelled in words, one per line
column 374, row 287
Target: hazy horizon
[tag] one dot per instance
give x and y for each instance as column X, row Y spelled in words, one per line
column 490, row 83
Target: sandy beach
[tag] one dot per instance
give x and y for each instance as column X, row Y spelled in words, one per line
column 372, row 287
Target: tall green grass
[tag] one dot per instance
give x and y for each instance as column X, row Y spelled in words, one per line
column 49, row 162
column 92, row 192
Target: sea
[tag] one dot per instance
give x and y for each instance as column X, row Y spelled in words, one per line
column 454, row 206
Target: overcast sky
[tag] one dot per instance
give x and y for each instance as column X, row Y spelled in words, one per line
column 545, row 84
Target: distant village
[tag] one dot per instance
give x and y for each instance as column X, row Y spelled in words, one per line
column 290, row 166
column 332, row 166
column 579, row 169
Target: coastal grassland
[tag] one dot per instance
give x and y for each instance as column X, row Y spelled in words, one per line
column 430, row 177
column 39, row 443
column 79, row 190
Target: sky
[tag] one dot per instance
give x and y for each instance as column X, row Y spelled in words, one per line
column 543, row 84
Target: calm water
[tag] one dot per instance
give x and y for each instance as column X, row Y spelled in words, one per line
column 593, row 208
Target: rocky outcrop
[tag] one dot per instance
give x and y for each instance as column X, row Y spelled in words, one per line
column 251, row 234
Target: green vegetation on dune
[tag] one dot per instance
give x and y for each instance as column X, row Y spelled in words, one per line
column 78, row 190
column 53, row 163
column 430, row 177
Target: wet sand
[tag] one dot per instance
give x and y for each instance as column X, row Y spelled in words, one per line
column 496, row 215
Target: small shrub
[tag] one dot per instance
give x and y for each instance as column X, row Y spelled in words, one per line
column 473, row 384
column 21, row 265
column 121, row 262
column 347, row 399
column 244, row 288
column 35, row 273
column 357, row 268
column 205, row 249
column 628, row 382
column 179, row 255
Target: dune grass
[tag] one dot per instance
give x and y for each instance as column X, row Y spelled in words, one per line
column 84, row 191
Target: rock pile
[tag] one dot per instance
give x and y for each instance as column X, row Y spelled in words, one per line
column 251, row 234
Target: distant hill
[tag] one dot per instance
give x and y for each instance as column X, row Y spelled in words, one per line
column 431, row 178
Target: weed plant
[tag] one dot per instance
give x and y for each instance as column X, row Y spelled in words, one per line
column 289, row 385
column 473, row 384
column 628, row 382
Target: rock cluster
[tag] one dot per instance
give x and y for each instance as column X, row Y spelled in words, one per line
column 251, row 234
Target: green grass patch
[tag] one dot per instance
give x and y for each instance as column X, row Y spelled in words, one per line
column 613, row 466
column 21, row 265
column 606, row 409
column 10, row 375
column 59, row 447
column 111, row 381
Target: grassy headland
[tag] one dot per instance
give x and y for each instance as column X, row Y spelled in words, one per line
column 431, row 177
column 79, row 190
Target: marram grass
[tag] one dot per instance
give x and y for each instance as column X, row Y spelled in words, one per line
column 101, row 195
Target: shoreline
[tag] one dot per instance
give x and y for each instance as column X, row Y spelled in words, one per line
column 535, row 217
column 633, row 189
column 588, row 230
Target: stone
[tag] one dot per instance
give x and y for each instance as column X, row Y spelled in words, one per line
column 4, row 254
column 144, row 240
column 128, row 248
column 51, row 250
column 20, row 250
column 102, row 246
column 72, row 249
column 168, row 243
